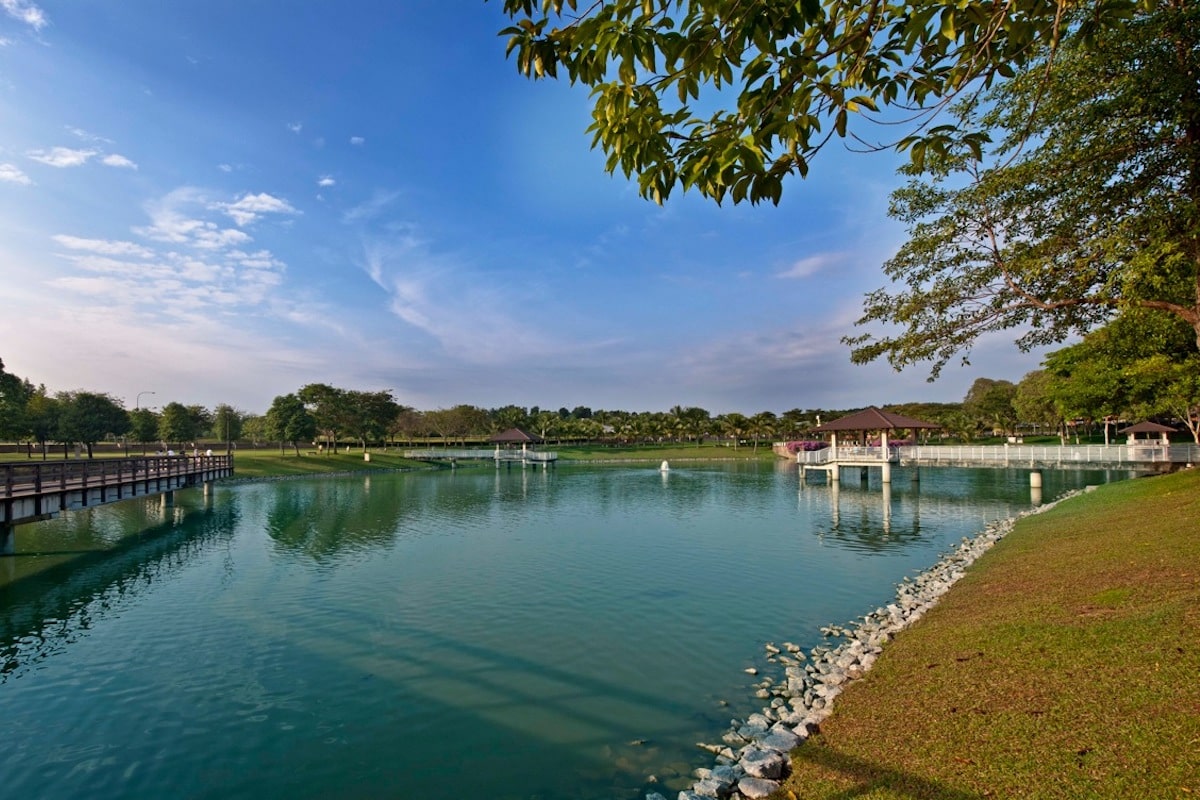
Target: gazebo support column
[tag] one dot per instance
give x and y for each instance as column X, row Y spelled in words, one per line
column 886, row 472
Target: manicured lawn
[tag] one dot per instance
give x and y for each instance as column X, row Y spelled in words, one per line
column 1066, row 664
column 269, row 461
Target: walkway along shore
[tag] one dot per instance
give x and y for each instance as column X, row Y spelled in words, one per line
column 753, row 758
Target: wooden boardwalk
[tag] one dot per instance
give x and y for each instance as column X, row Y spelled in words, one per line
column 35, row 490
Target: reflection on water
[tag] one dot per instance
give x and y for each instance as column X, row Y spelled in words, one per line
column 91, row 563
column 502, row 633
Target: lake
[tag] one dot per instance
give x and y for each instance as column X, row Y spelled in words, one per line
column 499, row 633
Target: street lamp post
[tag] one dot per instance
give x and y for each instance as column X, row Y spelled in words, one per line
column 137, row 406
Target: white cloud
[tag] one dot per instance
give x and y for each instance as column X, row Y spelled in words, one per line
column 61, row 156
column 104, row 246
column 169, row 285
column 807, row 267
column 326, row 180
column 11, row 174
column 295, row 127
column 357, row 141
column 225, row 167
column 251, row 207
column 173, row 220
column 26, row 12
column 474, row 319
column 86, row 136
column 370, row 209
column 117, row 160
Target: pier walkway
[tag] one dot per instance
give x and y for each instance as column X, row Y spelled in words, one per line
column 454, row 455
column 1142, row 456
column 32, row 491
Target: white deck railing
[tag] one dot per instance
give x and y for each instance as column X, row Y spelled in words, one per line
column 499, row 455
column 845, row 453
column 1000, row 455
column 1055, row 454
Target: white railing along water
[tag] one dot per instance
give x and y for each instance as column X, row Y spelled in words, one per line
column 467, row 454
column 1001, row 455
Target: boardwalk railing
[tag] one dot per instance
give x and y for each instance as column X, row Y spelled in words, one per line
column 31, row 491
column 1048, row 455
column 1136, row 455
column 846, row 453
column 19, row 479
column 444, row 454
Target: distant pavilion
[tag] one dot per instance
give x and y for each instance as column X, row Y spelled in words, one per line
column 1150, row 429
column 515, row 436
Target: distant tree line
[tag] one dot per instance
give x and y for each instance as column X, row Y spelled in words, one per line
column 1143, row 364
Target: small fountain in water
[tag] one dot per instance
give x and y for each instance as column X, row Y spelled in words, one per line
column 665, row 467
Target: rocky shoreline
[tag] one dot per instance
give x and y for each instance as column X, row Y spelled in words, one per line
column 753, row 758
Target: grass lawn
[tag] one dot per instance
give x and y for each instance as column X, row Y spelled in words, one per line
column 1066, row 664
column 270, row 462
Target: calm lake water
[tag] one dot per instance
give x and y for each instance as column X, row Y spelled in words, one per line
column 510, row 633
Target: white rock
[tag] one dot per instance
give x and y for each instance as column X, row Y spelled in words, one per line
column 781, row 740
column 764, row 763
column 755, row 788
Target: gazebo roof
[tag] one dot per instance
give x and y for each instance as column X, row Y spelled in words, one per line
column 873, row 419
column 515, row 435
column 1148, row 427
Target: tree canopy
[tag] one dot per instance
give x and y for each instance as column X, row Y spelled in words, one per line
column 730, row 96
column 87, row 417
column 287, row 420
column 1088, row 205
column 1141, row 365
column 14, row 394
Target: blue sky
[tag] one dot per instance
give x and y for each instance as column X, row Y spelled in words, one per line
column 222, row 201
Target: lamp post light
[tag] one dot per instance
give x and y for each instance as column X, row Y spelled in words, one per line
column 137, row 406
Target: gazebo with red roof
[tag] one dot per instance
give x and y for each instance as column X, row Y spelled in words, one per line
column 868, row 420
column 514, row 436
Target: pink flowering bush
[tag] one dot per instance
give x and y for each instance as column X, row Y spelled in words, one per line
column 806, row 446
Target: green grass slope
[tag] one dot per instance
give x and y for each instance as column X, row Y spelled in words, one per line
column 1066, row 664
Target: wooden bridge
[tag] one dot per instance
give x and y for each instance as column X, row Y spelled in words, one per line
column 1141, row 456
column 32, row 491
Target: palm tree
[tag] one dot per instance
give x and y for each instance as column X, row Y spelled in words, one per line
column 762, row 425
column 734, row 425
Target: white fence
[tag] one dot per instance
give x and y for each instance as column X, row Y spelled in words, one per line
column 482, row 455
column 1002, row 455
column 846, row 453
